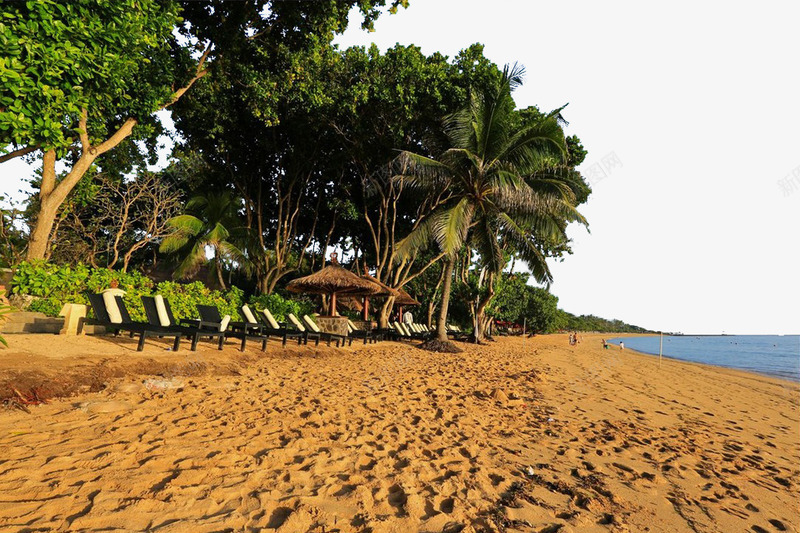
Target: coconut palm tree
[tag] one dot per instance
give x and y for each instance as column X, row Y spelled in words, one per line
column 209, row 221
column 504, row 182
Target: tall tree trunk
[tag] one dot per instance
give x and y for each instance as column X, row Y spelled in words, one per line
column 441, row 327
column 218, row 268
column 48, row 208
column 40, row 235
column 52, row 195
column 383, row 316
column 479, row 318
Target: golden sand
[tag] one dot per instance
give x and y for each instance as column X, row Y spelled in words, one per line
column 520, row 435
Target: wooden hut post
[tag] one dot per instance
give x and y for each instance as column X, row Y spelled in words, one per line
column 333, row 304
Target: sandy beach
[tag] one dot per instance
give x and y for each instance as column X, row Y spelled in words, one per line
column 525, row 435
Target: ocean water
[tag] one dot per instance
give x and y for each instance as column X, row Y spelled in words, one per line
column 775, row 355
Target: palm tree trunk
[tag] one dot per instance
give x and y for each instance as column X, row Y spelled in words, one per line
column 218, row 268
column 480, row 318
column 441, row 327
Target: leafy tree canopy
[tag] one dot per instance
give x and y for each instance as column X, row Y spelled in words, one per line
column 114, row 58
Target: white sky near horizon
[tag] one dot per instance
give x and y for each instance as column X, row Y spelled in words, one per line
column 694, row 229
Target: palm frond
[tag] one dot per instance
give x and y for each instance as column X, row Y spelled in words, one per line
column 217, row 234
column 450, row 226
column 192, row 262
column 420, row 172
column 484, row 238
column 524, row 243
column 417, row 240
column 186, row 224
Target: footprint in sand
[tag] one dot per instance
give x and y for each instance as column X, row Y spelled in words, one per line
column 777, row 524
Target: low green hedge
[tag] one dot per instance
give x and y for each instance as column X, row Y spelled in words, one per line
column 280, row 307
column 55, row 285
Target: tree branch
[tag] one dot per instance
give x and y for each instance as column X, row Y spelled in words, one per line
column 83, row 130
column 199, row 72
column 17, row 153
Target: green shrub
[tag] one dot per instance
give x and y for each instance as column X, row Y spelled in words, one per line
column 51, row 306
column 55, row 285
column 184, row 298
column 47, row 280
column 280, row 307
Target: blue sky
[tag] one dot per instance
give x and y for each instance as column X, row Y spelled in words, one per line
column 690, row 114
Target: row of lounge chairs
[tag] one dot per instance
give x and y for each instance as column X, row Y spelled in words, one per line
column 112, row 313
column 414, row 331
column 161, row 323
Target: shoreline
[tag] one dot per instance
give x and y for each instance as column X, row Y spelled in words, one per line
column 777, row 377
column 520, row 431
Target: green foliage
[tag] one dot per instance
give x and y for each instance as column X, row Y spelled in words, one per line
column 112, row 58
column 55, row 285
column 542, row 311
column 503, row 174
column 38, row 278
column 184, row 298
column 595, row 323
column 516, row 301
column 280, row 307
column 215, row 221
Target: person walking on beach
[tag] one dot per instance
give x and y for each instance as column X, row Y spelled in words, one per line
column 605, row 344
column 621, row 345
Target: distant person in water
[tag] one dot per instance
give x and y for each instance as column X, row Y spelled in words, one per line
column 621, row 345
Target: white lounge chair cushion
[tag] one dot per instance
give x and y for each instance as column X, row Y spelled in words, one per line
column 297, row 324
column 271, row 319
column 223, row 325
column 112, row 308
column 248, row 315
column 401, row 328
column 311, row 324
column 351, row 325
column 163, row 317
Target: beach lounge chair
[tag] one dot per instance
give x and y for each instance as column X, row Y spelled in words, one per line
column 159, row 313
column 272, row 327
column 455, row 333
column 401, row 332
column 356, row 333
column 124, row 322
column 315, row 329
column 209, row 314
column 306, row 332
column 414, row 331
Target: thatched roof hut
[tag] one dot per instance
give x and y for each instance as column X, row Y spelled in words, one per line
column 333, row 280
column 405, row 299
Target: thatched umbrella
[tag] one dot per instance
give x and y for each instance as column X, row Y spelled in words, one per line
column 402, row 299
column 333, row 280
column 386, row 291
